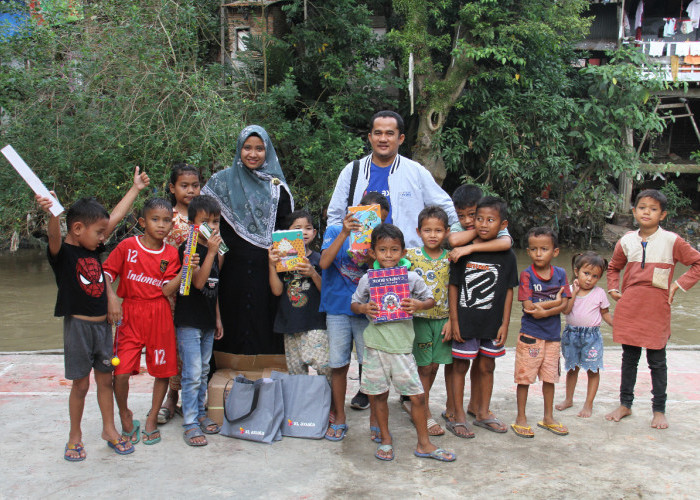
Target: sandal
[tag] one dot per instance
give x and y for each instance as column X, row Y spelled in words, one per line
column 205, row 425
column 557, row 428
column 524, row 431
column 343, row 428
column 121, row 442
column 438, row 454
column 432, row 424
column 386, row 448
column 452, row 427
column 192, row 433
column 377, row 434
column 147, row 436
column 76, row 447
column 134, row 432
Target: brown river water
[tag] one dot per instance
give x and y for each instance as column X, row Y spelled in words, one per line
column 28, row 296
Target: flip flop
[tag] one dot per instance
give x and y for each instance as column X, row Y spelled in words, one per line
column 147, row 436
column 134, row 432
column 78, row 448
column 385, row 448
column 377, row 434
column 524, row 431
column 485, row 424
column 121, row 442
column 432, row 423
column 207, row 422
column 194, row 432
column 164, row 415
column 438, row 454
column 452, row 426
column 557, row 428
column 343, row 428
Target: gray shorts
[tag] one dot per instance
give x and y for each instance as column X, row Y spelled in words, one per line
column 86, row 345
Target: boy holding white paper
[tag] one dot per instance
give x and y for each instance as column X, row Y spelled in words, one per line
column 82, row 302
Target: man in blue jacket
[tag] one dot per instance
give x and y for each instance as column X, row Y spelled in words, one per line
column 407, row 184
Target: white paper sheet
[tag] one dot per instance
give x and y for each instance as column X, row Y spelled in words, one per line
column 30, row 178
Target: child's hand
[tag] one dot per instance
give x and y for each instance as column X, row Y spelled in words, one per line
column 305, row 268
column 273, row 255
column 219, row 332
column 446, row 331
column 559, row 294
column 501, row 336
column 672, row 291
column 615, row 295
column 195, row 262
column 411, row 305
column 214, row 242
column 46, row 203
column 459, row 252
column 371, row 309
column 575, row 287
column 456, row 334
column 350, row 224
column 537, row 311
column 141, row 180
column 114, row 309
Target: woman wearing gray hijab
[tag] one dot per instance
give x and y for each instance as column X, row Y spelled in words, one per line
column 255, row 200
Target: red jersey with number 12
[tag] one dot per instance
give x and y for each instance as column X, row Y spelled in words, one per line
column 143, row 271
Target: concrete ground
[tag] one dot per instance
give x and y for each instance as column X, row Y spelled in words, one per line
column 599, row 459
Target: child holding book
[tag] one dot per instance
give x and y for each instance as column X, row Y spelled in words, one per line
column 388, row 346
column 298, row 317
column 198, row 321
column 339, row 281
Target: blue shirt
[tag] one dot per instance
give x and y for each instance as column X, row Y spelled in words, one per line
column 379, row 182
column 340, row 280
column 536, row 289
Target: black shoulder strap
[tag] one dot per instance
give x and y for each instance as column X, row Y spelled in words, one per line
column 353, row 181
column 253, row 404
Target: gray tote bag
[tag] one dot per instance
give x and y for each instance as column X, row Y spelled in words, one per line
column 307, row 402
column 253, row 410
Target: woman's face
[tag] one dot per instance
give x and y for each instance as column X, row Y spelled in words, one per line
column 253, row 152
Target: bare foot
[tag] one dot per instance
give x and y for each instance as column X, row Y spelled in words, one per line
column 659, row 421
column 567, row 403
column 620, row 413
column 585, row 412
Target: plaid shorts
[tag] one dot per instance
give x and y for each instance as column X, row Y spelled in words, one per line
column 380, row 369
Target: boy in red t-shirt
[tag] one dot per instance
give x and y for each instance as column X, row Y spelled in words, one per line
column 149, row 273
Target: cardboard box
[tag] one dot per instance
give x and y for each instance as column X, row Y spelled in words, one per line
column 229, row 367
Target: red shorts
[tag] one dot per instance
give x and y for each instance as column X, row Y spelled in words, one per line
column 149, row 324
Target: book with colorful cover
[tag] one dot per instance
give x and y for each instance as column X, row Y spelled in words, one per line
column 388, row 287
column 369, row 217
column 290, row 245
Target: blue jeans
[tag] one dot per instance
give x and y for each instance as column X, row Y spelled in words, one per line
column 195, row 347
column 343, row 330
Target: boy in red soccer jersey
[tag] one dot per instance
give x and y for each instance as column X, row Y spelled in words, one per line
column 149, row 273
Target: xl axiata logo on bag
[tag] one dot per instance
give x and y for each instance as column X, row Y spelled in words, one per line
column 292, row 423
column 250, row 432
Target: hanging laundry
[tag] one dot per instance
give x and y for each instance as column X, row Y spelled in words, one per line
column 695, row 48
column 682, row 49
column 686, row 26
column 669, row 26
column 693, row 11
column 656, row 49
column 638, row 15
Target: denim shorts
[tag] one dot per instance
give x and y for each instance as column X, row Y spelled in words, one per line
column 342, row 331
column 582, row 346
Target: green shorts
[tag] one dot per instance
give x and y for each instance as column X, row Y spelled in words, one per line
column 428, row 346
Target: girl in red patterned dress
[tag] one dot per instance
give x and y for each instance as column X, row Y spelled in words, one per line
column 185, row 183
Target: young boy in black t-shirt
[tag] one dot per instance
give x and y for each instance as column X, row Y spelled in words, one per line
column 198, row 322
column 481, row 297
column 82, row 301
column 304, row 328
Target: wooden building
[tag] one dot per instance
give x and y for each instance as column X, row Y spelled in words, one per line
column 250, row 17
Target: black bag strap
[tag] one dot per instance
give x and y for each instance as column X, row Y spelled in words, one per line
column 253, row 404
column 353, row 181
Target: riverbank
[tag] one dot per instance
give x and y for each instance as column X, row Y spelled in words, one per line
column 599, row 459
